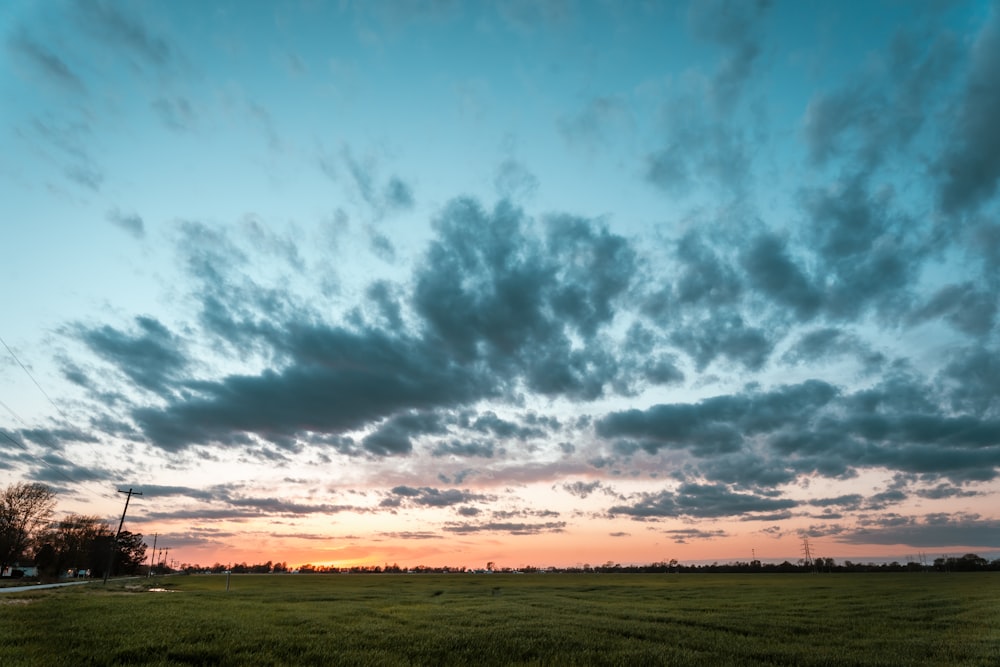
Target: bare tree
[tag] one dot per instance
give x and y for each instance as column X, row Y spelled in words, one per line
column 24, row 508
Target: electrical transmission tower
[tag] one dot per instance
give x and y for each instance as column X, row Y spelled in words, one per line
column 807, row 555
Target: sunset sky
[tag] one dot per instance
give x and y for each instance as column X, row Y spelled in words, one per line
column 439, row 283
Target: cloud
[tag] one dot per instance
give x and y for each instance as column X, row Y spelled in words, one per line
column 48, row 64
column 772, row 270
column 491, row 308
column 824, row 343
column 696, row 150
column 733, row 25
column 592, row 127
column 476, row 448
column 868, row 252
column 56, row 438
column 971, row 378
column 717, row 425
column 701, row 501
column 394, row 436
column 337, row 381
column 970, row 165
column 687, row 535
column 582, row 489
column 966, row 307
column 514, row 181
column 114, row 27
column 724, row 334
column 151, row 356
column 490, row 289
column 176, row 113
column 431, row 497
column 934, row 530
column 398, row 195
column 511, row 528
column 878, row 113
column 130, row 222
column 85, row 174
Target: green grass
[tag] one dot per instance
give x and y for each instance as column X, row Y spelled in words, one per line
column 462, row 619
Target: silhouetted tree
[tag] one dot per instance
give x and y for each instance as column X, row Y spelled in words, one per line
column 130, row 553
column 24, row 510
column 77, row 541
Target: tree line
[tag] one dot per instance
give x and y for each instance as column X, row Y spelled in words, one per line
column 75, row 545
column 965, row 563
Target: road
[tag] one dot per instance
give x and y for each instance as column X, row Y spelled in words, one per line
column 38, row 587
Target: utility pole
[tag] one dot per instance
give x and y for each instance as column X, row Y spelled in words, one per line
column 152, row 555
column 114, row 542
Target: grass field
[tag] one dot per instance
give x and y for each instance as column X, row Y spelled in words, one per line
column 545, row 619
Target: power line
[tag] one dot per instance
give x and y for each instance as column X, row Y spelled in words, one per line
column 53, row 445
column 28, row 373
column 57, row 470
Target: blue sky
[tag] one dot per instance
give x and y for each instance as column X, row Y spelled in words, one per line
column 534, row 282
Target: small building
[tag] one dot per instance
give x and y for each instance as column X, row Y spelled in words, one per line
column 17, row 571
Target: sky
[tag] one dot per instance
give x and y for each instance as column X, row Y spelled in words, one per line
column 540, row 283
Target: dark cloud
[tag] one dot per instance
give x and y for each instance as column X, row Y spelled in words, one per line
column 287, row 508
column 934, row 530
column 510, row 528
column 851, row 500
column 431, row 497
column 970, row 165
column 733, row 25
column 830, row 343
column 480, row 448
column 719, row 423
column 701, row 501
column 130, row 222
column 945, row 491
column 492, row 289
column 706, row 278
column 203, row 514
column 971, row 379
column 662, row 370
column 878, row 113
column 488, row 422
column 151, row 356
column 868, row 252
column 383, row 296
column 687, row 535
column 724, row 334
column 964, row 306
column 56, row 438
column 337, row 381
column 394, row 436
column 697, row 151
column 398, row 195
column 52, row 467
column 772, row 270
column 582, row 489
